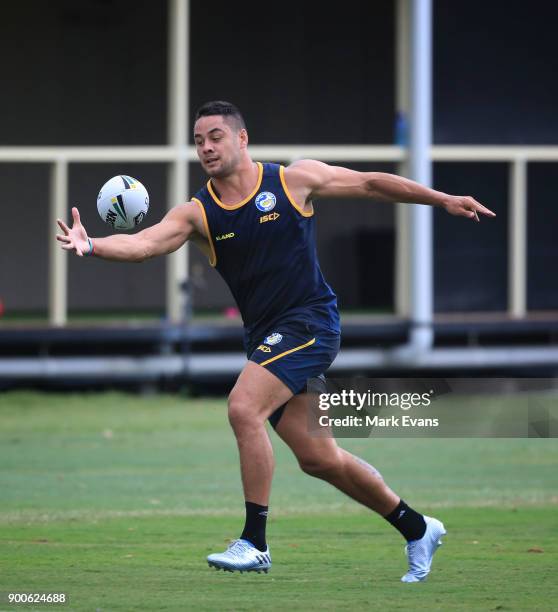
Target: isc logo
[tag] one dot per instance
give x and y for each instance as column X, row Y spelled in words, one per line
column 270, row 217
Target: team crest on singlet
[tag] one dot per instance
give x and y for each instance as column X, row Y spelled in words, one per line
column 265, row 201
column 273, row 339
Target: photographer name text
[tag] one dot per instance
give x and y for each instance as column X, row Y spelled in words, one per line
column 358, row 401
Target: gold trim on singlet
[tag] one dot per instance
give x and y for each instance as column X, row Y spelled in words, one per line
column 245, row 201
column 290, row 197
column 213, row 257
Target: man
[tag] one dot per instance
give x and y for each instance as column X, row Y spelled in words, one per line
column 255, row 223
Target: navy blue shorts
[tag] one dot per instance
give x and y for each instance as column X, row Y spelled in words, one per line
column 294, row 351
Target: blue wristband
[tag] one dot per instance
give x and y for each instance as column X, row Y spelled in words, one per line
column 91, row 248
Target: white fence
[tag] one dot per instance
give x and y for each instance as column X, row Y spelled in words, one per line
column 59, row 157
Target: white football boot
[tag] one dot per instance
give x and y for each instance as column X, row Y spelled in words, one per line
column 420, row 552
column 241, row 556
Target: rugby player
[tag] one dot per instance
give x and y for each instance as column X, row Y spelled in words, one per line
column 255, row 223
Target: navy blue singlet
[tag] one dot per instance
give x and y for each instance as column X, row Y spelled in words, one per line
column 265, row 249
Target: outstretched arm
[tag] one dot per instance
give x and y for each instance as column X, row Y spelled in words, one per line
column 165, row 237
column 313, row 179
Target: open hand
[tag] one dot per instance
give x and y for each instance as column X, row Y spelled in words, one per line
column 466, row 206
column 74, row 239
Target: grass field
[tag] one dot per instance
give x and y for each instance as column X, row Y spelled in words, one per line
column 116, row 500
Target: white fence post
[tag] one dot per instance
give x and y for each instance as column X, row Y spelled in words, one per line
column 517, row 239
column 420, row 169
column 177, row 178
column 58, row 259
column 402, row 259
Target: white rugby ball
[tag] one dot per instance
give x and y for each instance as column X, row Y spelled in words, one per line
column 123, row 202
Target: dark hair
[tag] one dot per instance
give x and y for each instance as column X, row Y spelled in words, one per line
column 225, row 109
